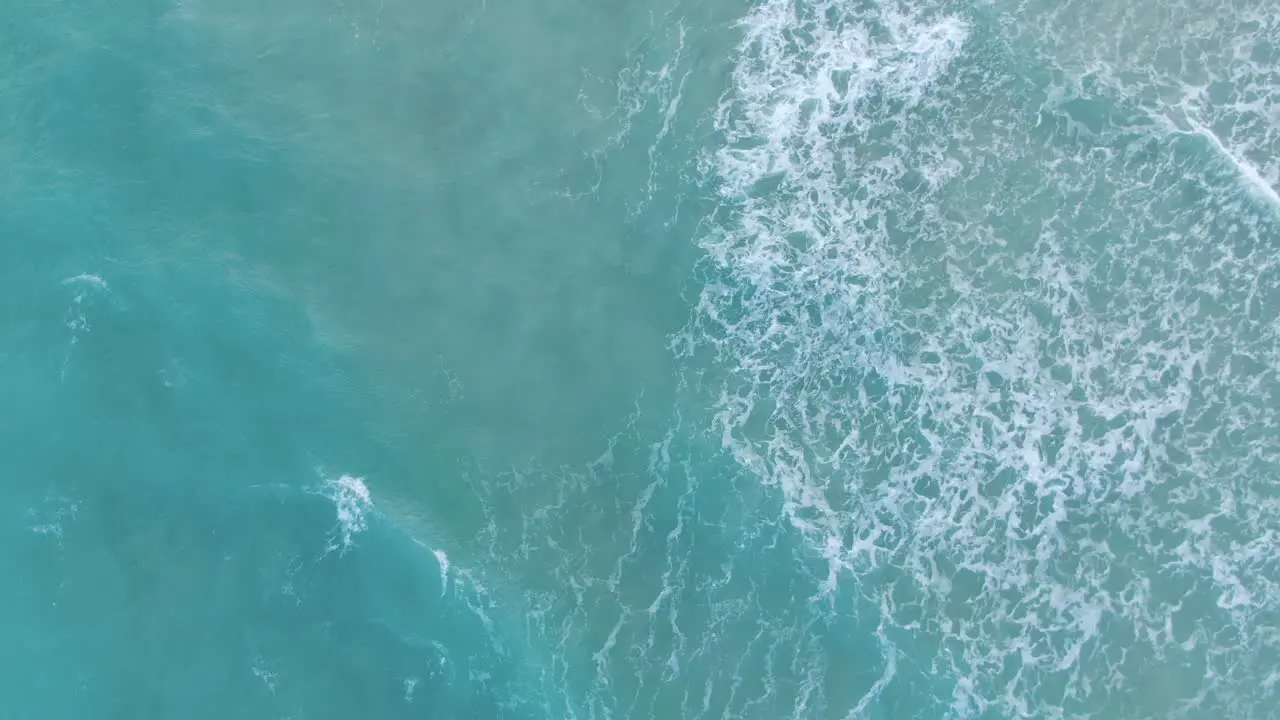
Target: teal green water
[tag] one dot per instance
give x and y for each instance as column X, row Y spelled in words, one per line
column 531, row 361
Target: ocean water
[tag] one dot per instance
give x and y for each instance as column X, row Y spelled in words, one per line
column 498, row 360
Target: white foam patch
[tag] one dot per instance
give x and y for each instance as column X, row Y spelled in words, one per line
column 352, row 504
column 88, row 288
column 410, row 684
column 90, row 279
column 268, row 677
column 1010, row 358
column 77, row 321
column 50, row 517
column 443, row 560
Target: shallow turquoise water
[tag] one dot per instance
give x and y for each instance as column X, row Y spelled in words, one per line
column 680, row 360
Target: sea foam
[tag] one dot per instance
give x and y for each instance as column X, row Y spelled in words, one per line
column 1001, row 349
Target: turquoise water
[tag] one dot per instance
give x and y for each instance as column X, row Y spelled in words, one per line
column 748, row 360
